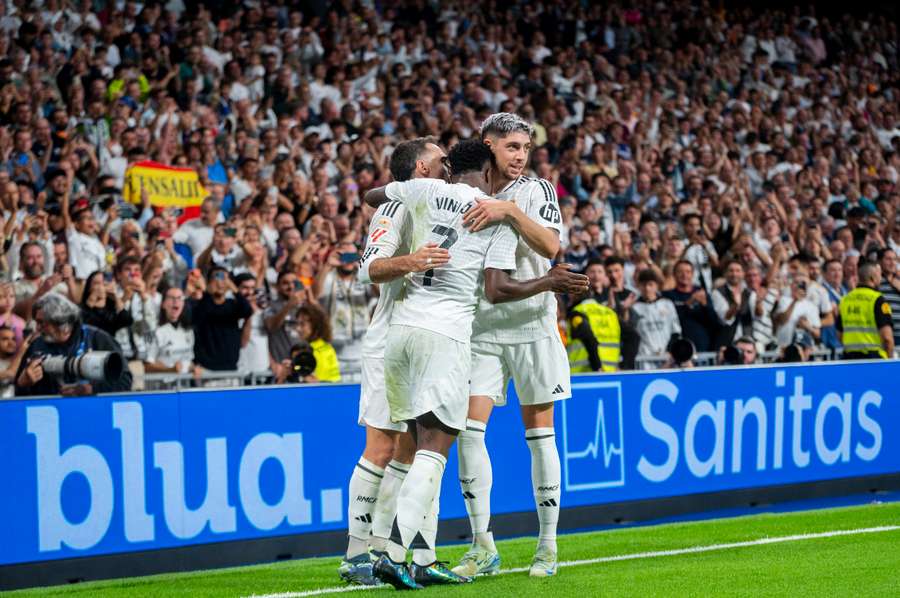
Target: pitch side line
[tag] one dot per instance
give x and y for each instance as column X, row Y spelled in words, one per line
column 628, row 557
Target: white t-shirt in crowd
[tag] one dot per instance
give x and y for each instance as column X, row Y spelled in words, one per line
column 784, row 336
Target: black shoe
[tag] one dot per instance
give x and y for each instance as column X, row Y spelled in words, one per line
column 436, row 573
column 396, row 574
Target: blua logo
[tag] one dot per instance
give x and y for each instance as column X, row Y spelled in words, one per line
column 216, row 511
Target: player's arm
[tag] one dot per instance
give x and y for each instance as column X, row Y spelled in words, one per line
column 885, row 323
column 386, row 269
column 500, row 287
column 375, row 197
column 539, row 228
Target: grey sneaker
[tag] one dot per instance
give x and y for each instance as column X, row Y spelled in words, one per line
column 478, row 561
column 544, row 563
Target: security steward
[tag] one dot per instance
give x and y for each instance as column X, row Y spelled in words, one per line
column 594, row 338
column 865, row 325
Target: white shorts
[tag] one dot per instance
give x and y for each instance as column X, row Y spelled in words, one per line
column 540, row 371
column 427, row 372
column 373, row 406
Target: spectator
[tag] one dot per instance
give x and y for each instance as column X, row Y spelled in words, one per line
column 216, row 319
column 655, row 319
column 58, row 321
column 254, row 356
column 345, row 300
column 197, row 233
column 796, row 313
column 137, row 301
column 735, row 304
column 281, row 315
column 698, row 319
column 172, row 346
column 314, row 328
column 621, row 299
column 101, row 306
column 833, row 282
column 11, row 354
column 890, row 287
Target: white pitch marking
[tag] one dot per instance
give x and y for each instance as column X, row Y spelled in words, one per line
column 627, row 557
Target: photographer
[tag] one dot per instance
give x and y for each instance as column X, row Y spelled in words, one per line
column 58, row 321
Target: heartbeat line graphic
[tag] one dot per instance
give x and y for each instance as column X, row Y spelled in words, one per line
column 581, row 467
column 593, row 448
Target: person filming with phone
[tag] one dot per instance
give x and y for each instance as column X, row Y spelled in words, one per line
column 216, row 318
column 280, row 318
column 345, row 300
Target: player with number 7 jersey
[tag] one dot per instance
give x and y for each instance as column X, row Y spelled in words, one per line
column 427, row 357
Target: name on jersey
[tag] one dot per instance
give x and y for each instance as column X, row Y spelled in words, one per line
column 451, row 205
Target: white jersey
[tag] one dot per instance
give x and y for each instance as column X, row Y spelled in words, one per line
column 388, row 236
column 534, row 318
column 655, row 322
column 443, row 300
column 172, row 345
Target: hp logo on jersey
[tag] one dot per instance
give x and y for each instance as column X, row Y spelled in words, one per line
column 593, row 441
column 550, row 213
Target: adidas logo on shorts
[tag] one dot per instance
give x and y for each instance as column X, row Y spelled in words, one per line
column 558, row 390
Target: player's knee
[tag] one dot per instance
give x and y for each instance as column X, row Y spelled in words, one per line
column 379, row 449
column 404, row 448
column 537, row 416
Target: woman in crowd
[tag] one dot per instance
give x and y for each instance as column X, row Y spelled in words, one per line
column 101, row 307
column 172, row 349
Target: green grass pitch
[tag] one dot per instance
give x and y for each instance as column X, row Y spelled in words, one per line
column 859, row 564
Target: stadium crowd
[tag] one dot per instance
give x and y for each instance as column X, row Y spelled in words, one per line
column 721, row 173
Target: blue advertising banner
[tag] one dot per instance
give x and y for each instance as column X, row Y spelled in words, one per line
column 119, row 473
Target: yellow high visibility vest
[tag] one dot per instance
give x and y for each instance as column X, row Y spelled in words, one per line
column 604, row 324
column 858, row 321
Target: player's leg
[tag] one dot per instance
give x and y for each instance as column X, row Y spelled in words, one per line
column 542, row 377
column 365, row 487
column 394, row 474
column 488, row 387
column 545, row 481
column 439, row 371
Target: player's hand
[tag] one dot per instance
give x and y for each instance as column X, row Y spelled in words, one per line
column 487, row 212
column 562, row 280
column 428, row 257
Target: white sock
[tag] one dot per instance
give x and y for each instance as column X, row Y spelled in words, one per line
column 364, row 485
column 386, row 505
column 426, row 556
column 475, row 479
column 416, row 495
column 545, row 479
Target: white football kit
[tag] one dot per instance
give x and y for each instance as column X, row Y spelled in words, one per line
column 387, row 232
column 428, row 355
column 520, row 339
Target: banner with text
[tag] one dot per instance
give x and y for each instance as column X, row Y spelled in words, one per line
column 120, row 473
column 167, row 186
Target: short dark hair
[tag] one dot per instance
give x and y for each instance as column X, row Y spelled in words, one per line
column 648, row 275
column 613, row 260
column 469, row 156
column 405, row 156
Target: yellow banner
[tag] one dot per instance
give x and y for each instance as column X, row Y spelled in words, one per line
column 168, row 186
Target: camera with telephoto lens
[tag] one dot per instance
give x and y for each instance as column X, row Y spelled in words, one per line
column 94, row 366
column 303, row 362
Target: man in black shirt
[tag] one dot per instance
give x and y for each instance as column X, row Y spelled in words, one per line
column 620, row 298
column 698, row 319
column 217, row 335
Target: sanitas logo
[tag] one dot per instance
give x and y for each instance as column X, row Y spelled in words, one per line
column 786, row 430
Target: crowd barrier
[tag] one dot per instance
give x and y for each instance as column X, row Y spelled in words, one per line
column 139, row 472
